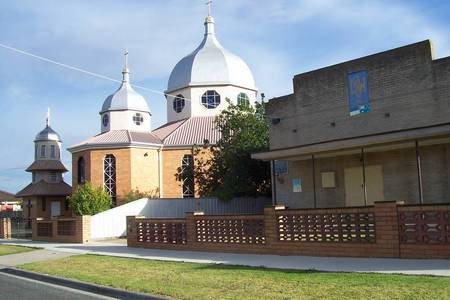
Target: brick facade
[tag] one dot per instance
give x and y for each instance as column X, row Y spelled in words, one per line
column 136, row 168
column 405, row 83
column 5, row 228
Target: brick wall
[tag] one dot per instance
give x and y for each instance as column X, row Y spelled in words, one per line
column 404, row 82
column 62, row 230
column 376, row 231
column 5, row 228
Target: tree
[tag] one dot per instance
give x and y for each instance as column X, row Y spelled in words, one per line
column 87, row 200
column 136, row 195
column 230, row 171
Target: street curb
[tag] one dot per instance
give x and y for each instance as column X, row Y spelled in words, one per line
column 78, row 285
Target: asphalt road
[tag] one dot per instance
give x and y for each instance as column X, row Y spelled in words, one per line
column 14, row 287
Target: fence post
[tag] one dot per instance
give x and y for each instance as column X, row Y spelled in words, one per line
column 191, row 234
column 5, row 228
column 131, row 231
column 270, row 226
column 386, row 226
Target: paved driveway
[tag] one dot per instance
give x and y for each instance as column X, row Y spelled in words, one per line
column 438, row 267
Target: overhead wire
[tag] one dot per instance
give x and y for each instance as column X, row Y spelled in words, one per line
column 78, row 69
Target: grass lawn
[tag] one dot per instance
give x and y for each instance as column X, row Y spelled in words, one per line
column 206, row 281
column 11, row 249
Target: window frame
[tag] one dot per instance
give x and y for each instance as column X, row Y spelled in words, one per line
column 243, row 97
column 43, row 152
column 205, row 99
column 187, row 176
column 178, row 103
column 109, row 176
column 138, row 119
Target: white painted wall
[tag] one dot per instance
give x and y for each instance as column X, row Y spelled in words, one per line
column 123, row 120
column 195, row 107
column 112, row 223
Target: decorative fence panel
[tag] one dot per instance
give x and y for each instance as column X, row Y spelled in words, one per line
column 66, row 227
column 45, row 229
column 314, row 226
column 424, row 226
column 387, row 229
column 170, row 231
column 61, row 229
column 230, row 229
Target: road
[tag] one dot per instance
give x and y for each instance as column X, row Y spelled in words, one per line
column 14, row 287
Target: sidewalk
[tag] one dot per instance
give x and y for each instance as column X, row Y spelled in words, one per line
column 12, row 260
column 437, row 267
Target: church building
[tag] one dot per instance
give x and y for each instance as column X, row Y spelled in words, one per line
column 128, row 155
column 46, row 195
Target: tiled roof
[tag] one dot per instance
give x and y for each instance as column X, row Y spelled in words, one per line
column 120, row 138
column 47, row 165
column 43, row 188
column 166, row 129
column 6, row 196
column 192, row 131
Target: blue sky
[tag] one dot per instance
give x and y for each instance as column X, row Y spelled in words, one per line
column 277, row 38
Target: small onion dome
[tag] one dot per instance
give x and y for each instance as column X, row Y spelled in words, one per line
column 125, row 98
column 210, row 64
column 48, row 134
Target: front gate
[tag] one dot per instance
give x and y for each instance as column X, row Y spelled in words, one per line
column 20, row 226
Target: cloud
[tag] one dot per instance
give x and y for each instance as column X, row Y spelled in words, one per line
column 277, row 38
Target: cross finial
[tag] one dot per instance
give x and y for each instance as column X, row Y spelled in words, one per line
column 47, row 121
column 126, row 58
column 209, row 7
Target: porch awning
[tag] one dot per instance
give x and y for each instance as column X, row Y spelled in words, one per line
column 439, row 130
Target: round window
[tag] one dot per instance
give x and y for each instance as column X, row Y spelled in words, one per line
column 242, row 99
column 105, row 120
column 178, row 103
column 138, row 119
column 211, row 99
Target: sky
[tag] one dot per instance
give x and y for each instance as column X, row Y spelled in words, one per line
column 277, row 38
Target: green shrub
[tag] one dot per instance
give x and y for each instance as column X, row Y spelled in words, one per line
column 87, row 200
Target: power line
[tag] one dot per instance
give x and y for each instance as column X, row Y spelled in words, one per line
column 74, row 68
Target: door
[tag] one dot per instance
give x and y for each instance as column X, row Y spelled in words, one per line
column 56, row 209
column 354, row 185
column 374, row 183
column 354, row 189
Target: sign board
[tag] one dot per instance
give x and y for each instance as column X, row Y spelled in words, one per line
column 280, row 167
column 297, row 185
column 358, row 93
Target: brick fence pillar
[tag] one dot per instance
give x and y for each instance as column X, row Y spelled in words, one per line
column 85, row 229
column 270, row 226
column 5, row 228
column 386, row 226
column 131, row 231
column 191, row 234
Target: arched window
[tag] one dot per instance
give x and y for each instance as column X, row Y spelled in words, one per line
column 187, row 175
column 210, row 99
column 178, row 103
column 52, row 151
column 242, row 99
column 81, row 171
column 109, row 170
column 43, row 151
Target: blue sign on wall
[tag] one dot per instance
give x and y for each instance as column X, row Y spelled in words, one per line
column 358, row 93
